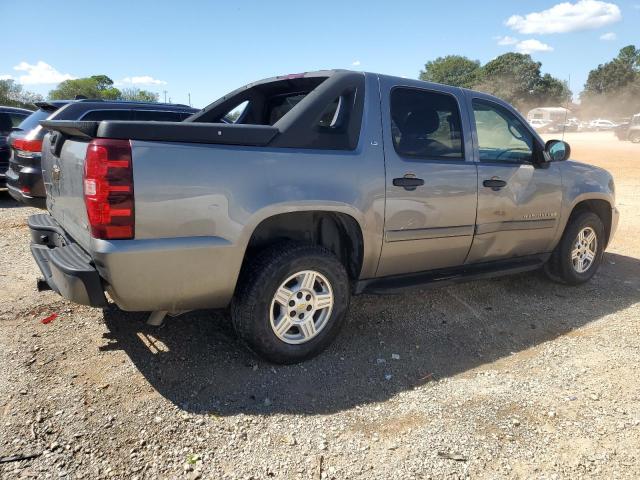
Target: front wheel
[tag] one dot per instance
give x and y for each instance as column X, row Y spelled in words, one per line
column 290, row 302
column 579, row 253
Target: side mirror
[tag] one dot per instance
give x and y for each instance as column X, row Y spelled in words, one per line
column 557, row 150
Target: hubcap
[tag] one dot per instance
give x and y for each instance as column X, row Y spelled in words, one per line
column 301, row 307
column 584, row 250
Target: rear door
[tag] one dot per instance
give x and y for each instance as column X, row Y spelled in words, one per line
column 518, row 201
column 431, row 179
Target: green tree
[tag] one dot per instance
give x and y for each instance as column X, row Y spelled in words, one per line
column 453, row 70
column 614, row 87
column 135, row 94
column 96, row 86
column 13, row 95
column 516, row 78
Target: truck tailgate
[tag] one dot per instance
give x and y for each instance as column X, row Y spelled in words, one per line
column 63, row 179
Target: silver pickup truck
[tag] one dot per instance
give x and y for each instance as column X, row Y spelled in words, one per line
column 285, row 197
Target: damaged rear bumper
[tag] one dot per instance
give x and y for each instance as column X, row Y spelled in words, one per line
column 67, row 269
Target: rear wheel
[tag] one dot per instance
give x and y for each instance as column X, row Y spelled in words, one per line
column 635, row 137
column 579, row 253
column 291, row 302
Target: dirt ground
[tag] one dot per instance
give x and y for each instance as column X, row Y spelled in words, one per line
column 509, row 378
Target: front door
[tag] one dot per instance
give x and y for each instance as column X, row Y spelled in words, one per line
column 518, row 200
column 431, row 179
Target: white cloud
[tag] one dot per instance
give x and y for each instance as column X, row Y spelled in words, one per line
column 356, row 63
column 566, row 17
column 6, row 77
column 40, row 74
column 533, row 46
column 507, row 40
column 608, row 36
column 142, row 80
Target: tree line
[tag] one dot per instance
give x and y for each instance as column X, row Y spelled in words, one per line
column 13, row 94
column 612, row 87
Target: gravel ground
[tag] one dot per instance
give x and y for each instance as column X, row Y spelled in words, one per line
column 509, row 378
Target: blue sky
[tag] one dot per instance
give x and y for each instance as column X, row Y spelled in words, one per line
column 210, row 48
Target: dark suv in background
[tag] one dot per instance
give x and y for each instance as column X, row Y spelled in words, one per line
column 10, row 117
column 24, row 175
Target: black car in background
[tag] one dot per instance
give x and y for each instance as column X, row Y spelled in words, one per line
column 10, row 117
column 24, row 175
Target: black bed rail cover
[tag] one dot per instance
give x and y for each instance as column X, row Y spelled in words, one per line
column 72, row 128
column 215, row 133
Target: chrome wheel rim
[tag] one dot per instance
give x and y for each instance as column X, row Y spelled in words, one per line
column 584, row 250
column 301, row 307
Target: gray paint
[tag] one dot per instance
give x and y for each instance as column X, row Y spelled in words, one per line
column 197, row 206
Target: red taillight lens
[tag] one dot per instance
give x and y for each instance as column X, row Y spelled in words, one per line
column 108, row 189
column 27, row 145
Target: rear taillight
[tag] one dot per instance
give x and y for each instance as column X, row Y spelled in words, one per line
column 108, row 189
column 26, row 147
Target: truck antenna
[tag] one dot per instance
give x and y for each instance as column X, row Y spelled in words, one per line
column 566, row 108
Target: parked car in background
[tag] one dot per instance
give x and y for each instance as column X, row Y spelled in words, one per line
column 326, row 184
column 601, row 124
column 24, row 175
column 10, row 117
column 539, row 123
column 629, row 130
column 560, row 127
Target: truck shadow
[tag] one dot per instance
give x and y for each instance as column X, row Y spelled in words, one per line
column 389, row 345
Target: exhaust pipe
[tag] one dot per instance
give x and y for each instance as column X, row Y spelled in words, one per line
column 42, row 285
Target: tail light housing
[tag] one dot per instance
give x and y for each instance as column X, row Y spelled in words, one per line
column 27, row 147
column 108, row 189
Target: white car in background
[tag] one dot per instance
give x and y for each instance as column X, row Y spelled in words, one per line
column 538, row 123
column 601, row 124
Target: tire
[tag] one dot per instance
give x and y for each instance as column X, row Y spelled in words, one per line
column 634, row 137
column 562, row 267
column 256, row 311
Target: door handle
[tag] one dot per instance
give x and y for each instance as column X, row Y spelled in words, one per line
column 494, row 184
column 408, row 183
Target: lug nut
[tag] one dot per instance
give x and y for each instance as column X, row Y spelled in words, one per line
column 301, row 316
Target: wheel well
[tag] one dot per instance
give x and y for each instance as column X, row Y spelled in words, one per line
column 602, row 208
column 338, row 232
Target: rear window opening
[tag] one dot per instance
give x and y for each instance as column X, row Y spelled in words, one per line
column 329, row 119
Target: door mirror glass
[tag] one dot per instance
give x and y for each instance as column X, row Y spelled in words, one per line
column 557, row 150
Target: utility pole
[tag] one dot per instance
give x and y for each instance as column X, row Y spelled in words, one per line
column 165, row 96
column 189, row 99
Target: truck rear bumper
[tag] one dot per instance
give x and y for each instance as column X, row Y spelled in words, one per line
column 66, row 268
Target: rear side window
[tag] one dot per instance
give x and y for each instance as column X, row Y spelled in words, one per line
column 426, row 124
column 32, row 120
column 108, row 115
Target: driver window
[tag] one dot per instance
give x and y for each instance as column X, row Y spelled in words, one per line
column 501, row 136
